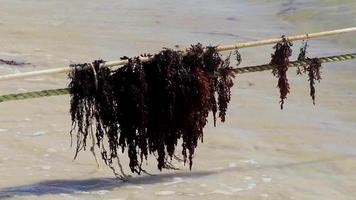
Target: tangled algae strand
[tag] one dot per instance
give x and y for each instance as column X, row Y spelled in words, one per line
column 314, row 73
column 312, row 67
column 92, row 109
column 280, row 58
column 150, row 107
column 129, row 91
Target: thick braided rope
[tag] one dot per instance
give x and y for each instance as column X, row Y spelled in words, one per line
column 242, row 70
column 35, row 94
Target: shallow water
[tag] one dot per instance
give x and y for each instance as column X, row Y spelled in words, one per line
column 302, row 152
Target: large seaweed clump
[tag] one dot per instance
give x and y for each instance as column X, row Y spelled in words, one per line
column 149, row 108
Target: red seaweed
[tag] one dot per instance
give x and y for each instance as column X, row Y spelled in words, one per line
column 280, row 58
column 314, row 73
column 312, row 67
column 147, row 108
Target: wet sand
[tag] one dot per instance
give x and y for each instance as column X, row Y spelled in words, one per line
column 261, row 152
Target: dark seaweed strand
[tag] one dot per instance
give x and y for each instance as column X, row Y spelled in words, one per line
column 105, row 108
column 92, row 108
column 312, row 67
column 225, row 83
column 82, row 90
column 198, row 92
column 130, row 89
column 303, row 51
column 166, row 80
column 280, row 58
column 314, row 73
column 213, row 61
column 302, row 57
column 238, row 57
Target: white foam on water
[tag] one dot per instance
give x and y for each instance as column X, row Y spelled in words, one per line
column 237, row 189
column 81, row 192
column 176, row 180
column 267, row 179
column 251, row 186
column 3, row 130
column 232, row 165
column 265, row 195
column 249, row 161
column 233, row 189
column 135, row 187
column 36, row 134
column 248, row 178
column 67, row 195
column 165, row 192
column 51, row 150
column 100, row 192
column 218, row 168
column 46, row 167
column 203, row 185
column 221, row 192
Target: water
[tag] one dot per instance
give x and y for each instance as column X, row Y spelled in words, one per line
column 303, row 152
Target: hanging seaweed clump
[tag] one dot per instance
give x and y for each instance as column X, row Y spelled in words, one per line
column 314, row 73
column 303, row 51
column 92, row 109
column 129, row 91
column 150, row 107
column 302, row 57
column 280, row 58
column 312, row 67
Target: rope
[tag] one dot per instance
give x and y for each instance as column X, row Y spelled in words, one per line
column 33, row 95
column 220, row 48
column 265, row 67
column 242, row 70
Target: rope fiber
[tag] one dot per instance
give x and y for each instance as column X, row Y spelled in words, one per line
column 241, row 70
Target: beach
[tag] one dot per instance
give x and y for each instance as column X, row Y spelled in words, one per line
column 304, row 151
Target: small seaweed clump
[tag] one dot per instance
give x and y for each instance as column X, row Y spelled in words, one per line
column 150, row 107
column 312, row 67
column 314, row 73
column 280, row 58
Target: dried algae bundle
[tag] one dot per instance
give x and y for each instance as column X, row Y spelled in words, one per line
column 312, row 67
column 280, row 58
column 150, row 107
